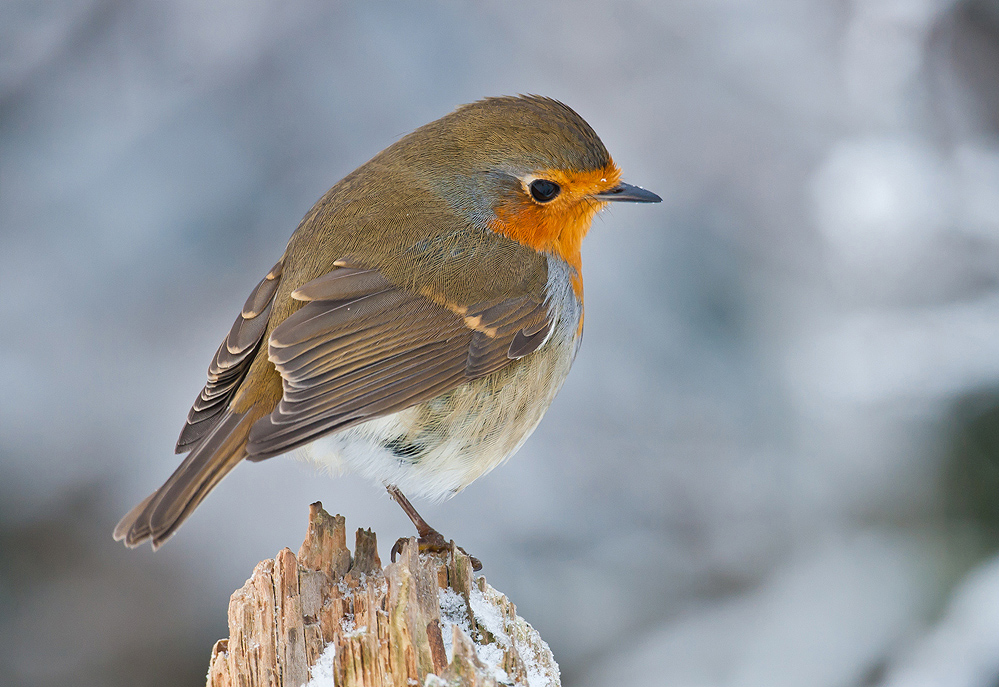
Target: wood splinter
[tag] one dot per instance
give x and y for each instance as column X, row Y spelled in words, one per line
column 325, row 618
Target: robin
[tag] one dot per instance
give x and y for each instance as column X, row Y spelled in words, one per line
column 421, row 320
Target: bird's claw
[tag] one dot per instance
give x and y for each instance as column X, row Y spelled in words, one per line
column 433, row 542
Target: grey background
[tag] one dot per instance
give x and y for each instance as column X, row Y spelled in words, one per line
column 775, row 461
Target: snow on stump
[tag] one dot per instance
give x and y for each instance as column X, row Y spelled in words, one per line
column 325, row 618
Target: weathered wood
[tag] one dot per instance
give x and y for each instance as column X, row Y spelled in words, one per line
column 340, row 619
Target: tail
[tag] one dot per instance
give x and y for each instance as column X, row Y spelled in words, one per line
column 215, row 434
column 158, row 516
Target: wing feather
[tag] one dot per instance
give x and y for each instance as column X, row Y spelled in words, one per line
column 361, row 348
column 231, row 362
column 345, row 283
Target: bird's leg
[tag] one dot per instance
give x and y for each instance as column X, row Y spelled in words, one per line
column 430, row 539
column 423, row 528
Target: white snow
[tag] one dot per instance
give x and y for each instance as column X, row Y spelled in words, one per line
column 321, row 674
column 518, row 635
column 453, row 612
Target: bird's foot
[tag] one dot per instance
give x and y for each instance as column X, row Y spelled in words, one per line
column 433, row 542
column 430, row 540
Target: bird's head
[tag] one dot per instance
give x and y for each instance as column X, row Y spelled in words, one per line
column 526, row 167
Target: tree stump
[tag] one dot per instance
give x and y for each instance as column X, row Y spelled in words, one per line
column 326, row 618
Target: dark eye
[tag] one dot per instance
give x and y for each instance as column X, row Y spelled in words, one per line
column 543, row 190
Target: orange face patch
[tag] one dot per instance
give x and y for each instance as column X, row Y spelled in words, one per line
column 559, row 225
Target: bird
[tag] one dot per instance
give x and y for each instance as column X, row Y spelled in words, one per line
column 422, row 318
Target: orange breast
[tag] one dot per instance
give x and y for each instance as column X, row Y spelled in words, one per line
column 557, row 227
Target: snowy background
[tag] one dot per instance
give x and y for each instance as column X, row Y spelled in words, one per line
column 776, row 461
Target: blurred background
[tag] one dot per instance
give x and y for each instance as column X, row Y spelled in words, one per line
column 776, row 461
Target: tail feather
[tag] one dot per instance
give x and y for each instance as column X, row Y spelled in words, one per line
column 130, row 527
column 158, row 516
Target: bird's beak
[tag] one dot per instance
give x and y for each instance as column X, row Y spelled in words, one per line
column 629, row 193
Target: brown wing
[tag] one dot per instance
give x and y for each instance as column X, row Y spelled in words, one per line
column 362, row 348
column 231, row 363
